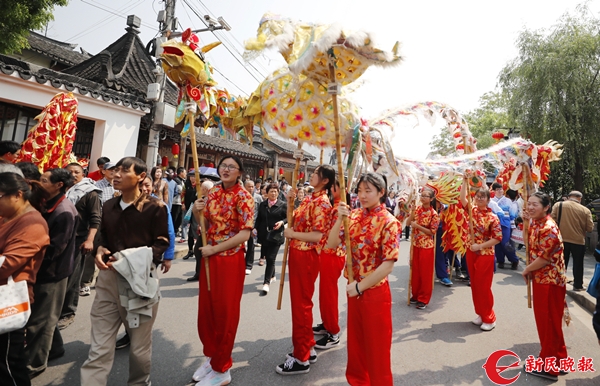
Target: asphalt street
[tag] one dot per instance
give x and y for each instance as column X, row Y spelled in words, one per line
column 435, row 346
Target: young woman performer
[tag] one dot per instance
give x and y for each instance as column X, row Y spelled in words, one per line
column 547, row 270
column 424, row 221
column 229, row 216
column 332, row 263
column 480, row 255
column 375, row 243
column 311, row 222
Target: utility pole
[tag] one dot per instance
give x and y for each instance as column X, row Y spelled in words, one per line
column 167, row 23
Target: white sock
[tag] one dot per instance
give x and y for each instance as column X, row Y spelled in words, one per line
column 335, row 336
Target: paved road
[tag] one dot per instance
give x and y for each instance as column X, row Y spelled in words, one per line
column 436, row 346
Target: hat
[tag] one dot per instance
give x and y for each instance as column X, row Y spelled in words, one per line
column 109, row 165
column 306, row 183
column 575, row 193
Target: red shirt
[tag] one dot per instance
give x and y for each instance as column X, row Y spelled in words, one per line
column 486, row 226
column 228, row 211
column 427, row 218
column 374, row 238
column 340, row 250
column 95, row 175
column 545, row 242
column 312, row 216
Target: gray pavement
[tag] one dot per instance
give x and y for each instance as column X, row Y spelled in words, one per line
column 435, row 346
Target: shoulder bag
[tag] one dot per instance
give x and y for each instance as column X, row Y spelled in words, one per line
column 14, row 304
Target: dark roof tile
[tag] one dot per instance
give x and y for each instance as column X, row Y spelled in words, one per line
column 230, row 147
column 60, row 51
column 287, row 147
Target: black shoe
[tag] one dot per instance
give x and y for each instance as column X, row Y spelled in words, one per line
column 413, row 301
column 514, row 266
column 193, row 278
column 123, row 342
column 190, row 254
column 292, row 367
column 421, row 306
column 55, row 355
column 311, row 359
column 319, row 329
column 542, row 374
column 501, row 265
column 327, row 342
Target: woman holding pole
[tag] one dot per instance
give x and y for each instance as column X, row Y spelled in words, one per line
column 547, row 272
column 375, row 243
column 311, row 223
column 424, row 221
column 480, row 254
column 229, row 214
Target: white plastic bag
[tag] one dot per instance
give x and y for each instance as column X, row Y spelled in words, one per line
column 14, row 304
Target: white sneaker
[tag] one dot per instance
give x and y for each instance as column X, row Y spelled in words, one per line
column 488, row 326
column 214, row 378
column 265, row 288
column 477, row 321
column 248, row 271
column 273, row 279
column 202, row 371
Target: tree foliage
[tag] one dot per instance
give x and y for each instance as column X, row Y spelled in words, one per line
column 18, row 17
column 553, row 90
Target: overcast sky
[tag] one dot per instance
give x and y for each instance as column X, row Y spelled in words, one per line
column 453, row 49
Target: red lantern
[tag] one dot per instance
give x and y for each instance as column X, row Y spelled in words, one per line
column 165, row 161
column 498, row 136
column 261, row 173
column 211, row 165
column 280, row 171
column 301, row 176
column 175, row 150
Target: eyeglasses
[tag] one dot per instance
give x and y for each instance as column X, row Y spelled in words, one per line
column 426, row 197
column 228, row 167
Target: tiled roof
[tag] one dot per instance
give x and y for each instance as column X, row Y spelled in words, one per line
column 287, row 147
column 41, row 75
column 60, row 51
column 230, row 147
column 123, row 66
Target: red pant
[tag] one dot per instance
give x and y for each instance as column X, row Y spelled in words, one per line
column 422, row 274
column 330, row 272
column 481, row 272
column 219, row 309
column 548, row 308
column 370, row 338
column 304, row 269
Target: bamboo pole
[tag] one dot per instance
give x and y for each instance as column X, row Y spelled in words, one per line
column 452, row 264
column 410, row 262
column 338, row 150
column 290, row 219
column 321, row 157
column 190, row 119
column 525, row 171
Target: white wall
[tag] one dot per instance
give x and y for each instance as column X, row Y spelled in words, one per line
column 116, row 129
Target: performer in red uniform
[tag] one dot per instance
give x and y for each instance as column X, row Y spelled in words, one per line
column 311, row 222
column 480, row 255
column 424, row 221
column 547, row 270
column 229, row 216
column 331, row 265
column 375, row 244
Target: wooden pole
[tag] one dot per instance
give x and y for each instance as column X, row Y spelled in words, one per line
column 338, row 150
column 290, row 219
column 321, row 157
column 452, row 266
column 410, row 261
column 190, row 119
column 525, row 171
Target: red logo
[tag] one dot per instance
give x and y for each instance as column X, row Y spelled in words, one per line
column 494, row 371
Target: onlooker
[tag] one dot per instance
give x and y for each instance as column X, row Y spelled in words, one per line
column 97, row 175
column 504, row 249
column 129, row 221
column 169, row 174
column 390, row 201
column 177, row 207
column 299, row 197
column 159, row 185
column 51, row 281
column 106, row 183
column 30, row 171
column 9, row 150
column 573, row 220
column 205, row 188
column 249, row 186
column 189, row 196
column 23, row 241
column 258, row 185
column 86, row 197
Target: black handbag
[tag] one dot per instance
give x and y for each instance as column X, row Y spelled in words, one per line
column 274, row 236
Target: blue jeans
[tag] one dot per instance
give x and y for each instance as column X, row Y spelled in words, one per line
column 505, row 250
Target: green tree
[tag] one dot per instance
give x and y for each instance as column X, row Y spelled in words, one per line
column 491, row 115
column 18, row 17
column 553, row 91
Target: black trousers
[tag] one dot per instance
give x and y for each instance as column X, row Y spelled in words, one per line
column 177, row 216
column 72, row 294
column 250, row 252
column 13, row 363
column 578, row 252
column 269, row 251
